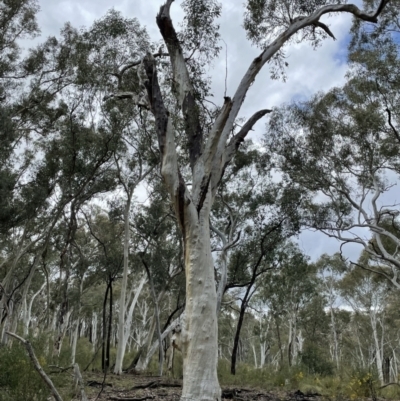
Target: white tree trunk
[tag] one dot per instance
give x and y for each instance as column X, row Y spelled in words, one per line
column 200, row 333
column 255, row 355
column 122, row 300
column 83, row 329
column 263, row 350
column 378, row 349
column 126, row 328
column 24, row 306
column 74, row 341
column 144, row 361
column 58, row 344
column 27, row 311
column 94, row 331
column 157, row 316
column 335, row 340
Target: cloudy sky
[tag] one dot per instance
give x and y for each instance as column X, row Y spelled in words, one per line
column 309, row 70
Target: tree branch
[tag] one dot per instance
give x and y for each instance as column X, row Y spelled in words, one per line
column 79, row 381
column 182, row 86
column 396, row 133
column 394, row 282
column 267, row 54
column 203, row 168
column 226, row 152
column 325, row 28
column 138, row 62
column 166, row 139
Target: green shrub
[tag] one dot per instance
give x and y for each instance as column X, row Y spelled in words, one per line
column 361, row 384
column 18, row 378
column 316, row 362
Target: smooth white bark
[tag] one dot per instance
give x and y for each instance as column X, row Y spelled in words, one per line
column 126, row 328
column 74, row 341
column 94, row 331
column 60, row 336
column 122, row 300
column 378, row 347
column 27, row 310
column 199, row 331
column 144, row 361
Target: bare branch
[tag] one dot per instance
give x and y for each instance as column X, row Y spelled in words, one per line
column 239, row 137
column 166, row 139
column 396, row 133
column 381, row 273
column 325, row 28
column 203, row 167
column 226, row 152
column 182, row 86
column 266, row 55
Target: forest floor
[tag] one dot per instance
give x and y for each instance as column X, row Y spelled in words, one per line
column 130, row 387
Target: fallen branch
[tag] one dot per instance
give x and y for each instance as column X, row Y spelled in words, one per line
column 79, row 381
column 94, row 383
column 231, row 394
column 156, row 384
column 37, row 366
column 389, row 384
column 149, row 397
column 60, row 369
column 140, row 386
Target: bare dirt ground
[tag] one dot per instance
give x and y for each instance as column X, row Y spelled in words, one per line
column 141, row 388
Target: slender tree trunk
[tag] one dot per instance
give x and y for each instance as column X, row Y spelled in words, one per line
column 94, row 331
column 157, row 316
column 243, row 307
column 28, row 313
column 278, row 332
column 263, row 353
column 103, row 347
column 7, row 321
column 237, row 338
column 74, row 341
column 109, row 327
column 378, row 350
column 144, row 360
column 122, row 299
column 128, row 322
column 75, row 334
column 335, row 340
column 254, row 355
column 24, row 304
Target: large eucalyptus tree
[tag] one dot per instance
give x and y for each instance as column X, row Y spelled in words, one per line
column 211, row 147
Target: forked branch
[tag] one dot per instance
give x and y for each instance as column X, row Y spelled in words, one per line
column 272, row 49
column 182, row 86
column 166, row 138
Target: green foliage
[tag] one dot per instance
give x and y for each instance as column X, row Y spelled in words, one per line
column 315, row 361
column 360, row 384
column 18, row 379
